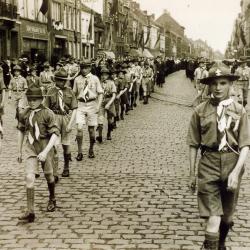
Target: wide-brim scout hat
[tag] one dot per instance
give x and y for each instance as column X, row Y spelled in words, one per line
column 85, row 63
column 17, row 68
column 61, row 74
column 46, row 65
column 105, row 70
column 33, row 68
column 219, row 71
column 34, row 93
column 118, row 70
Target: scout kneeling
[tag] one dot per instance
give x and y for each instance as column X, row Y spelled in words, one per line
column 62, row 101
column 38, row 131
column 220, row 128
column 107, row 104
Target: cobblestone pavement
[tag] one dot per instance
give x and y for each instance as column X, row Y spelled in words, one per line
column 133, row 195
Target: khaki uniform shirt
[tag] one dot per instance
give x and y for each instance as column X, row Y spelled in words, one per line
column 203, row 129
column 69, row 99
column 91, row 82
column 18, row 84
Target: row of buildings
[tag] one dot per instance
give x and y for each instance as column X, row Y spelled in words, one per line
column 239, row 44
column 53, row 28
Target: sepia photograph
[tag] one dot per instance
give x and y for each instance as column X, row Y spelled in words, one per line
column 124, row 124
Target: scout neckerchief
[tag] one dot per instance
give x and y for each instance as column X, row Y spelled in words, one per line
column 60, row 99
column 34, row 126
column 85, row 92
column 105, row 87
column 18, row 85
column 222, row 122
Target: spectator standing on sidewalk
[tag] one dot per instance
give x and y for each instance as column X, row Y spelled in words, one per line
column 241, row 86
column 220, row 128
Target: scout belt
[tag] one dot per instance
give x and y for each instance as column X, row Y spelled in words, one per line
column 226, row 149
column 59, row 112
column 89, row 100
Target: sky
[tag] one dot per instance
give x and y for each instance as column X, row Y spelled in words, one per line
column 210, row 20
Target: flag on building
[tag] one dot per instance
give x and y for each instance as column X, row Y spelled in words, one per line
column 44, row 7
column 90, row 26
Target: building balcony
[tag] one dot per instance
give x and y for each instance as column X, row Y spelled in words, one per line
column 8, row 11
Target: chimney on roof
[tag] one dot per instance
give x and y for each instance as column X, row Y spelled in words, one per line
column 145, row 12
column 153, row 16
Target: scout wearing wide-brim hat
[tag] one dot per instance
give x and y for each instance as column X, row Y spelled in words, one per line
column 61, row 74
column 220, row 71
column 17, row 68
column 85, row 63
column 46, row 65
column 34, row 93
column 105, row 70
column 118, row 70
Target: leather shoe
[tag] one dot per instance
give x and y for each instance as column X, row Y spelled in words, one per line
column 79, row 157
column 65, row 173
column 99, row 139
column 51, row 205
column 28, row 217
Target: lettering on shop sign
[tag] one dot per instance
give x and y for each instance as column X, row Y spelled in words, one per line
column 89, row 1
column 34, row 29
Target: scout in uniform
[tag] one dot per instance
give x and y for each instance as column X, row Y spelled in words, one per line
column 33, row 80
column 2, row 100
column 89, row 93
column 242, row 85
column 46, row 78
column 220, row 128
column 17, row 87
column 138, row 78
column 62, row 101
column 122, row 91
column 117, row 100
column 37, row 135
column 107, row 106
column 147, row 77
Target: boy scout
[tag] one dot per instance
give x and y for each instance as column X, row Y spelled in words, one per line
column 46, row 78
column 18, row 85
column 220, row 128
column 89, row 93
column 242, row 85
column 107, row 106
column 122, row 91
column 147, row 77
column 117, row 100
column 62, row 101
column 33, row 80
column 38, row 132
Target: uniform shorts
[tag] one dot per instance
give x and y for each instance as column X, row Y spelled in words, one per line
column 86, row 113
column 31, row 161
column 213, row 197
column 110, row 113
column 62, row 122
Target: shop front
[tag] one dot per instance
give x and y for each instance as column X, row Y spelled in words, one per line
column 34, row 40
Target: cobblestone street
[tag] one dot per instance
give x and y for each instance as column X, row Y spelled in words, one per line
column 133, row 195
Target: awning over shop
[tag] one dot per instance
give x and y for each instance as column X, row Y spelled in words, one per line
column 106, row 54
column 147, row 54
column 156, row 52
column 135, row 53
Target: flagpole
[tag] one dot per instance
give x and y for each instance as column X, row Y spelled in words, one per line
column 49, row 27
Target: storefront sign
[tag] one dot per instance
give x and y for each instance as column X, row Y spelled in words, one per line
column 34, row 30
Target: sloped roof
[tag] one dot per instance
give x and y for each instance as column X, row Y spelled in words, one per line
column 170, row 24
